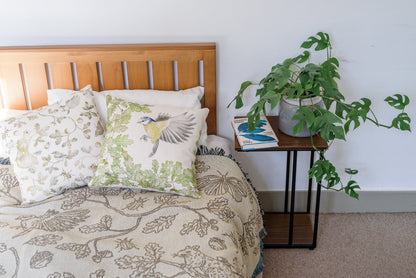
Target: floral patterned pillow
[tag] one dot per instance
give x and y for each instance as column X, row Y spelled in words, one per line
column 54, row 147
column 150, row 147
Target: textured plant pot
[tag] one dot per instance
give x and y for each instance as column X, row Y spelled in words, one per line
column 288, row 108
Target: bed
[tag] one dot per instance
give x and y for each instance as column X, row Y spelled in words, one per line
column 121, row 231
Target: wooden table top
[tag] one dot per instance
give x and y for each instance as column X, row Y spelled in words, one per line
column 286, row 142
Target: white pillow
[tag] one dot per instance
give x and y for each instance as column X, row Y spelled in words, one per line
column 54, row 147
column 10, row 113
column 189, row 98
column 214, row 141
column 59, row 95
column 150, row 147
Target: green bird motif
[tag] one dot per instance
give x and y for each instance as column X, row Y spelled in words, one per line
column 174, row 130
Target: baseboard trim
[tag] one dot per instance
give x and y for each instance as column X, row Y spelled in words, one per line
column 339, row 202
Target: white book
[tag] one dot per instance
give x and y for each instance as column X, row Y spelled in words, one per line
column 262, row 137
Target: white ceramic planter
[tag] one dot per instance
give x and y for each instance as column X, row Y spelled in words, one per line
column 288, row 108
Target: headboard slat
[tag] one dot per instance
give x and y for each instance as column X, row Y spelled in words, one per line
column 37, row 84
column 10, row 81
column 163, row 75
column 112, row 73
column 87, row 75
column 61, row 75
column 188, row 74
column 138, row 75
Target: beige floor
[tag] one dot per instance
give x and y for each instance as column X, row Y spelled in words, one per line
column 352, row 245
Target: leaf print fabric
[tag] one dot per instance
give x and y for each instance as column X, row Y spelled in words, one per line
column 43, row 240
column 54, row 147
column 9, row 187
column 41, row 259
column 150, row 147
column 121, row 232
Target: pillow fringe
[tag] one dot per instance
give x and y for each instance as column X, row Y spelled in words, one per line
column 4, row 161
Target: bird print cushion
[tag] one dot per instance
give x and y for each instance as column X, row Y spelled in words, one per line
column 150, row 147
column 54, row 147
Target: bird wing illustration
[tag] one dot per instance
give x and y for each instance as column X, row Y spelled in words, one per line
column 178, row 129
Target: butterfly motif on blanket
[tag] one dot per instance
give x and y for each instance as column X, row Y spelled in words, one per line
column 221, row 184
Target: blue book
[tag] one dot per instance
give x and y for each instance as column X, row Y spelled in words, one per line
column 262, row 137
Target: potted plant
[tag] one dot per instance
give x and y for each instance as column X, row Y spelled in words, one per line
column 321, row 106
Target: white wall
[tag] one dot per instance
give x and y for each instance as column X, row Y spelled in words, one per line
column 375, row 41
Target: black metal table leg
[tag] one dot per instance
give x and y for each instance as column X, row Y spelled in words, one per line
column 292, row 197
column 315, row 224
column 287, row 180
column 308, row 206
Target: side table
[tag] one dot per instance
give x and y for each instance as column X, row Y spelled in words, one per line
column 290, row 229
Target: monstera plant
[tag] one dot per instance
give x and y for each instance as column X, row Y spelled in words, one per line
column 299, row 79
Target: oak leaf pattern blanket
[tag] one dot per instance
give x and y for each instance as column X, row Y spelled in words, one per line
column 118, row 232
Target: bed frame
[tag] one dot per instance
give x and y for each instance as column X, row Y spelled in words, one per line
column 27, row 72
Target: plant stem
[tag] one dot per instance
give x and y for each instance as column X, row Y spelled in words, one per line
column 378, row 124
column 336, row 100
column 375, row 117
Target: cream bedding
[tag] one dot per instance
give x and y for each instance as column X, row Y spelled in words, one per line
column 113, row 232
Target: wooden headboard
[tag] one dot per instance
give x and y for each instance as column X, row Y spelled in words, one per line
column 27, row 72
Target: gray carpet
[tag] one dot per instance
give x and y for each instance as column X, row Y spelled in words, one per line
column 352, row 245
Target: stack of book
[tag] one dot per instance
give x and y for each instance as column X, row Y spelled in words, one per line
column 260, row 138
